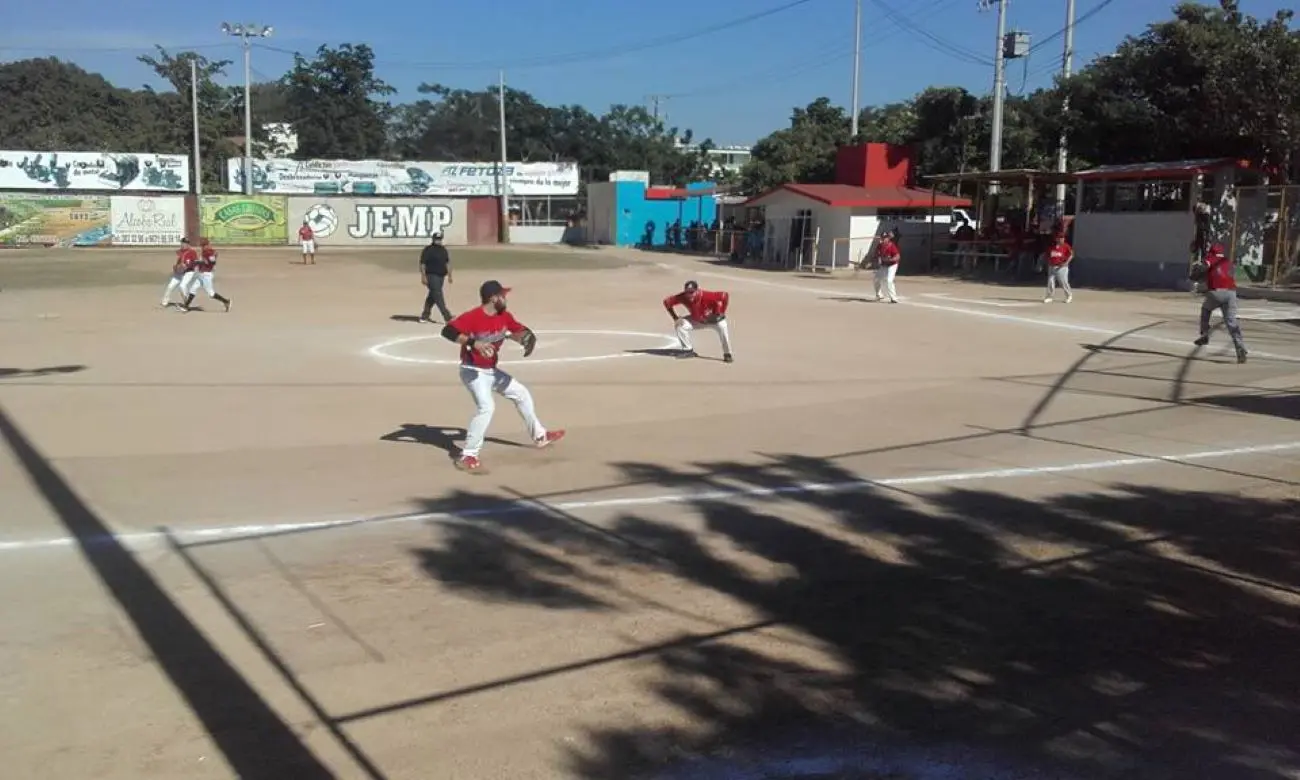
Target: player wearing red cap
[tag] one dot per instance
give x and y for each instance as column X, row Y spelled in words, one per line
column 1221, row 294
column 704, row 309
column 480, row 333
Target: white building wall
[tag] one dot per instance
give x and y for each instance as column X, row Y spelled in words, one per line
column 1160, row 237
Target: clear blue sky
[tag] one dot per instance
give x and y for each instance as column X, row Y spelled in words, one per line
column 735, row 85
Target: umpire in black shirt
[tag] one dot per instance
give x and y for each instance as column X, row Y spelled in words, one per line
column 435, row 270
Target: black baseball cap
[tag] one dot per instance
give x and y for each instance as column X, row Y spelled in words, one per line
column 491, row 288
column 691, row 287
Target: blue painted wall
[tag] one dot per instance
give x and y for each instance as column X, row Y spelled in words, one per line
column 633, row 211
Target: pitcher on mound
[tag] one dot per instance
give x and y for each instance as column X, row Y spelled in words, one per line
column 480, row 332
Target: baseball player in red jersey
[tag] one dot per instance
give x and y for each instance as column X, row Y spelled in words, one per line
column 1216, row 273
column 887, row 259
column 1058, row 268
column 704, row 309
column 203, row 272
column 307, row 237
column 182, row 272
column 480, row 332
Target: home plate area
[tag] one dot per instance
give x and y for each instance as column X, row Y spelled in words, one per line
column 553, row 346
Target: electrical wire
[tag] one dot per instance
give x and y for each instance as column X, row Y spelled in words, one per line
column 929, row 39
column 592, row 55
column 786, row 72
column 116, row 49
column 1080, row 19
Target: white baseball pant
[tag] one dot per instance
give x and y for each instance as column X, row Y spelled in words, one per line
column 685, row 326
column 181, row 282
column 309, row 247
column 885, row 281
column 482, row 383
column 202, row 279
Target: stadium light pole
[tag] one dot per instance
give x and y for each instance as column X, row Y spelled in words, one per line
column 244, row 32
column 999, row 90
column 194, row 115
column 505, row 179
column 1067, row 66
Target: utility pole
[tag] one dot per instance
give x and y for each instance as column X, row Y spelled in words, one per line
column 194, row 114
column 857, row 65
column 505, row 179
column 244, row 32
column 1067, row 67
column 999, row 89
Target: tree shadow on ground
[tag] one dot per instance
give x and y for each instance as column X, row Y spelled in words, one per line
column 1125, row 632
column 24, row 373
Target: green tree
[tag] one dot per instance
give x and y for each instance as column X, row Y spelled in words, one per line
column 334, row 101
column 802, row 152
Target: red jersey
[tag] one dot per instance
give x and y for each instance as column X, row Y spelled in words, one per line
column 305, row 233
column 1219, row 275
column 1060, row 254
column 705, row 304
column 186, row 259
column 887, row 253
column 207, row 260
column 483, row 327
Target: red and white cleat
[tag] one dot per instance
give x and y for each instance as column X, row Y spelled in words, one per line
column 468, row 463
column 550, row 438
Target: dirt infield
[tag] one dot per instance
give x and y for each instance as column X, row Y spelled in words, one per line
column 967, row 530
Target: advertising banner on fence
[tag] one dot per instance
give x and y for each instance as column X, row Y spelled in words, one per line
column 54, row 220
column 239, row 219
column 94, row 171
column 378, row 177
column 381, row 221
column 143, row 220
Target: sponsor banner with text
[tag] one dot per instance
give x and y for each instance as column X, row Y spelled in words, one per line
column 239, row 219
column 55, row 220
column 148, row 221
column 94, row 171
column 428, row 179
column 380, row 221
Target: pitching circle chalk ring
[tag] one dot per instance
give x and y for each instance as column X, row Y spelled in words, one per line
column 380, row 351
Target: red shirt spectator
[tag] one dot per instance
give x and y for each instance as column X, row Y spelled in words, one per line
column 1218, row 274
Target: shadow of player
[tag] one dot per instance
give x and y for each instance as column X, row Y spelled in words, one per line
column 444, row 438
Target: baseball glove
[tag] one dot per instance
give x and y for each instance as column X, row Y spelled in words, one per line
column 1198, row 271
column 529, row 341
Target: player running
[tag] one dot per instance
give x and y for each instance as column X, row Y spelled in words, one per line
column 182, row 272
column 1221, row 294
column 203, row 272
column 480, row 332
column 307, row 237
column 704, row 309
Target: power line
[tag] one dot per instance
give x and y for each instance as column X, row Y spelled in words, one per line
column 592, row 55
column 1083, row 17
column 929, row 39
column 118, row 49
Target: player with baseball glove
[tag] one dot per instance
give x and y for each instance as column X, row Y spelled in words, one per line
column 704, row 309
column 480, row 333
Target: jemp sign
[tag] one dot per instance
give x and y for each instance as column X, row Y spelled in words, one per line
column 376, row 222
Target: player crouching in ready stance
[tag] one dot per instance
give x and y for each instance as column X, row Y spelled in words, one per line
column 704, row 309
column 480, row 333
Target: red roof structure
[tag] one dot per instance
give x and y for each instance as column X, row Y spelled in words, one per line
column 1181, row 169
column 675, row 193
column 875, row 176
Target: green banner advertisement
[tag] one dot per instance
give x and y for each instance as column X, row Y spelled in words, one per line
column 55, row 220
column 243, row 219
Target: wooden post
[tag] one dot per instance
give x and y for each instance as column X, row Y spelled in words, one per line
column 929, row 260
column 1279, row 247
